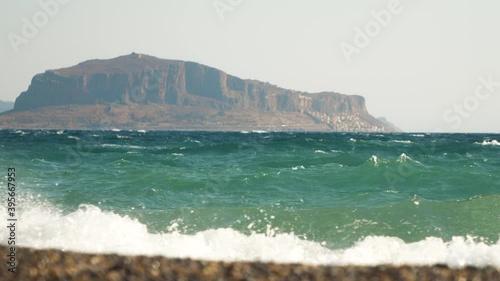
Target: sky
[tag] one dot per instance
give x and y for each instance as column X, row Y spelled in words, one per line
column 427, row 66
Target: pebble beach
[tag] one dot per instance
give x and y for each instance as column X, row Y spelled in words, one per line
column 54, row 265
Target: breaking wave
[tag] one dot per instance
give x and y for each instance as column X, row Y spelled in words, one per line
column 92, row 230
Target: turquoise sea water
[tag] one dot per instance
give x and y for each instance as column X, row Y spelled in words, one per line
column 302, row 197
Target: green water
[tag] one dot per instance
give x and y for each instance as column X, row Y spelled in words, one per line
column 331, row 188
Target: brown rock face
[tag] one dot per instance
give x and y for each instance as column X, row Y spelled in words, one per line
column 145, row 79
column 142, row 79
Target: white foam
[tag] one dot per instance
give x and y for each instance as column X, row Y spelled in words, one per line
column 403, row 158
column 401, row 141
column 492, row 142
column 89, row 229
column 122, row 146
column 21, row 132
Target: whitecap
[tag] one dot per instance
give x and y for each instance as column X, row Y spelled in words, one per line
column 489, row 143
column 403, row 157
column 22, row 133
column 401, row 141
column 121, row 146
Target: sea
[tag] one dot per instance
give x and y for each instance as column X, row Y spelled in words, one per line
column 286, row 197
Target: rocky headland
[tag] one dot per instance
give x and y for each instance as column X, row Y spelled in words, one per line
column 143, row 92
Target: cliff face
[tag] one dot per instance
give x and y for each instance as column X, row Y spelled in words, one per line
column 141, row 79
column 144, row 79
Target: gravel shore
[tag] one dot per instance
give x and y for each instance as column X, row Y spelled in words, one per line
column 56, row 265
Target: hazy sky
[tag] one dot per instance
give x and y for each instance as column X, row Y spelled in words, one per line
column 425, row 65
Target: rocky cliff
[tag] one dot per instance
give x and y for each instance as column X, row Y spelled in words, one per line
column 141, row 80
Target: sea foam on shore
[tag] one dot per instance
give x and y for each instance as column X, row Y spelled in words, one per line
column 92, row 230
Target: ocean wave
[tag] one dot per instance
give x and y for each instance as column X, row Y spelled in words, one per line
column 401, row 141
column 486, row 143
column 90, row 229
column 22, row 133
column 193, row 141
column 111, row 145
column 403, row 158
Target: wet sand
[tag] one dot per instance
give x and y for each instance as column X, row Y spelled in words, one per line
column 57, row 265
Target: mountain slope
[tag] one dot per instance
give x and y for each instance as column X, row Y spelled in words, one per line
column 389, row 124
